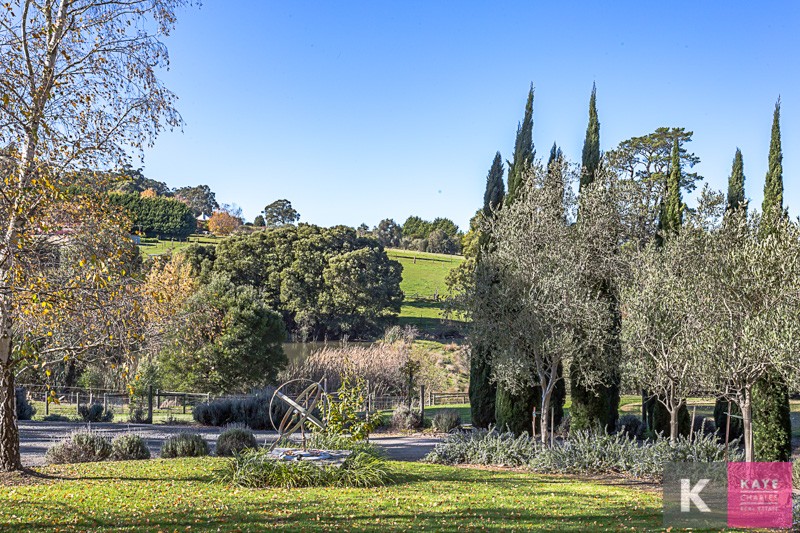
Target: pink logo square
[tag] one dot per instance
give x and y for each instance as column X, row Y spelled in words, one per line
column 760, row 495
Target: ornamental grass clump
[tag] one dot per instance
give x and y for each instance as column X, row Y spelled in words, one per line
column 259, row 469
column 184, row 445
column 80, row 447
column 446, row 420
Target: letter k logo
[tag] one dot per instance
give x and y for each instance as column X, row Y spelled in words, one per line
column 691, row 495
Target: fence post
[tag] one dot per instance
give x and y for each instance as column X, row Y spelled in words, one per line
column 78, row 403
column 422, row 403
column 158, row 398
column 184, row 403
column 150, row 404
column 105, row 401
column 46, row 403
column 367, row 406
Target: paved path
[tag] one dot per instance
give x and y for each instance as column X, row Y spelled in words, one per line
column 36, row 437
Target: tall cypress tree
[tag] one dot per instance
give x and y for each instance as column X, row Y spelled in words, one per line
column 735, row 201
column 598, row 405
column 482, row 390
column 513, row 411
column 590, row 159
column 772, row 426
column 523, row 151
column 736, row 198
column 495, row 188
column 673, row 206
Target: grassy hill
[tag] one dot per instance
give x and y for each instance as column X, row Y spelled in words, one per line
column 424, row 286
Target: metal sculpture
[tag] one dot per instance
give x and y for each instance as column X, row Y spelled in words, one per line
column 301, row 409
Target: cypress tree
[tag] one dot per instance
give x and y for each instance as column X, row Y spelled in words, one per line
column 598, row 406
column 673, row 206
column 495, row 188
column 590, row 159
column 514, row 410
column 482, row 390
column 772, row 425
column 736, row 198
column 523, row 151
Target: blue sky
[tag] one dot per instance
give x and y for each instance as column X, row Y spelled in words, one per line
column 358, row 111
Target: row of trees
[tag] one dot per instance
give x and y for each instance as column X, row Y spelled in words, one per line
column 438, row 236
column 623, row 283
column 156, row 216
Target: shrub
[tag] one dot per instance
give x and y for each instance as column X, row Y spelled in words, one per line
column 345, row 415
column 446, row 420
column 57, row 418
column 80, row 447
column 129, row 447
column 252, row 411
column 184, row 445
column 259, row 469
column 95, row 413
column 405, row 418
column 630, row 426
column 137, row 413
column 484, row 447
column 25, row 410
column 586, row 452
column 721, row 419
column 235, row 441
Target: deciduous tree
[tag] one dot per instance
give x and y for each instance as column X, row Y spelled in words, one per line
column 79, row 89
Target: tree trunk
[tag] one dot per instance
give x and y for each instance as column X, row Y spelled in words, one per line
column 9, row 432
column 747, row 425
column 545, row 417
column 673, row 424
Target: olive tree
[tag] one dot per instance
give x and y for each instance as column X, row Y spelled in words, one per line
column 748, row 302
column 537, row 304
column 79, row 89
column 660, row 324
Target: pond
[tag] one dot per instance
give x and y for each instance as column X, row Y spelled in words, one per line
column 297, row 352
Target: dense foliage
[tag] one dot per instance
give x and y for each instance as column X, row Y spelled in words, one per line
column 80, row 447
column 184, row 445
column 252, row 411
column 229, row 341
column 324, row 281
column 156, row 217
column 235, row 441
column 129, row 447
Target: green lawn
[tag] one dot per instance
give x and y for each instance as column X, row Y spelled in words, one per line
column 163, row 246
column 179, row 495
column 424, row 286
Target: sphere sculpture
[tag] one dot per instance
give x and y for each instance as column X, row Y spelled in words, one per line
column 300, row 410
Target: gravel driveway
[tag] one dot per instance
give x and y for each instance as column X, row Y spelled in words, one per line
column 36, row 437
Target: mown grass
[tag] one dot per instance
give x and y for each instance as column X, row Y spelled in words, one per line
column 180, row 494
column 160, row 247
column 424, row 286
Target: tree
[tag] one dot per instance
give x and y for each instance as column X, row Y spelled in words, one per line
column 148, row 193
column 524, row 153
column 750, row 326
column 388, row 233
column 223, row 223
column 155, row 216
column 229, row 341
column 80, row 89
column 539, row 309
column 200, row 199
column 643, row 165
column 672, row 217
column 129, row 180
column 659, row 324
column 771, row 412
column 279, row 213
column 736, row 198
column 495, row 188
column 259, row 221
column 416, row 228
column 590, row 159
column 482, row 388
column 447, row 226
